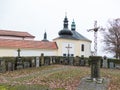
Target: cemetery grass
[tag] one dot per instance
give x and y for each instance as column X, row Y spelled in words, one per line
column 53, row 77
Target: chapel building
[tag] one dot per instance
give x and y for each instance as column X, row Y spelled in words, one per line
column 69, row 42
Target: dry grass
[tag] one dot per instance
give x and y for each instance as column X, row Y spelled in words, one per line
column 57, row 76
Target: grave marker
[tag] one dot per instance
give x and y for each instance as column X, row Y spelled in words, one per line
column 37, row 62
column 33, row 62
column 26, row 64
column 105, row 62
column 9, row 66
column 42, row 59
column 111, row 65
column 76, row 61
column 19, row 64
column 2, row 66
column 95, row 69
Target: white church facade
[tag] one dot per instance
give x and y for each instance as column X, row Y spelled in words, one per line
column 69, row 42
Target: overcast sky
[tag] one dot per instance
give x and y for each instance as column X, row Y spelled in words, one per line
column 38, row 16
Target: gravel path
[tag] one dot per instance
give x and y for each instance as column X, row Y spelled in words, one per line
column 89, row 85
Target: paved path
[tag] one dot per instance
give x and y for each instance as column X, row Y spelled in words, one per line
column 89, row 85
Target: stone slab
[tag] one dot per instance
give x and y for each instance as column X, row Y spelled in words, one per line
column 92, row 85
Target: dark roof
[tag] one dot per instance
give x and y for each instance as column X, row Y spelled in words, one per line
column 66, row 37
column 15, row 33
column 10, row 43
column 79, row 36
column 75, row 36
column 65, row 31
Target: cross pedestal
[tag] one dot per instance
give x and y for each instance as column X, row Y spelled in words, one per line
column 95, row 68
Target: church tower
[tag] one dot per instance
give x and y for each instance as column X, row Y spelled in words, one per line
column 73, row 26
column 45, row 37
column 71, row 43
column 65, row 32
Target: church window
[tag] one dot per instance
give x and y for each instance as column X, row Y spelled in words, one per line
column 82, row 56
column 72, row 55
column 82, row 47
column 64, row 54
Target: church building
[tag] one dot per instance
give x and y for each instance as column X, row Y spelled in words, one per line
column 69, row 42
column 72, row 43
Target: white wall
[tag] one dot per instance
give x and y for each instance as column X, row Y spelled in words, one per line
column 38, row 52
column 87, row 48
column 76, row 47
column 26, row 52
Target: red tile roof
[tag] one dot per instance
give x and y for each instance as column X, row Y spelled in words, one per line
column 9, row 43
column 15, row 33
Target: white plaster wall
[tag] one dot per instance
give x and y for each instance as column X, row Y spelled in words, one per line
column 7, row 52
column 38, row 52
column 76, row 44
column 26, row 52
column 87, row 48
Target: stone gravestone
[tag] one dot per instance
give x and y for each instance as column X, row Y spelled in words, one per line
column 42, row 59
column 10, row 66
column 26, row 64
column 37, row 62
column 82, row 61
column 33, row 63
column 47, row 61
column 19, row 63
column 95, row 68
column 111, row 65
column 61, row 60
column 66, row 61
column 51, row 61
column 117, row 66
column 71, row 61
column 105, row 62
column 76, row 61
column 2, row 66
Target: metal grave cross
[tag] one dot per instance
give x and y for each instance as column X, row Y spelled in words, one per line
column 95, row 29
column 18, row 52
column 68, row 48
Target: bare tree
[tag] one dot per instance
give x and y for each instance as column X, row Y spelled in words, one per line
column 112, row 38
